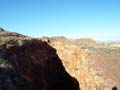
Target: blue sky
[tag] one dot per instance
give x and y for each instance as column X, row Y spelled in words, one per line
column 97, row 19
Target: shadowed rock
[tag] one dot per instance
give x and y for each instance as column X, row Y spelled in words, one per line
column 38, row 65
column 114, row 88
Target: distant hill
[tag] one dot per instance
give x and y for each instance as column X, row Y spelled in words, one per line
column 86, row 41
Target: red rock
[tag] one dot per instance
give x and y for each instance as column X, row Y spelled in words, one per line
column 40, row 67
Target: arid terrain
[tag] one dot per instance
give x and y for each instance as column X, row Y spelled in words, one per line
column 57, row 63
column 105, row 56
column 100, row 62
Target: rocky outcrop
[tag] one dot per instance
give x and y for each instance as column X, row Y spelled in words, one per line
column 38, row 67
column 35, row 65
column 6, row 36
column 78, row 64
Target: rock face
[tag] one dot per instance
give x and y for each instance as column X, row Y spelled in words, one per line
column 35, row 65
column 38, row 67
column 77, row 63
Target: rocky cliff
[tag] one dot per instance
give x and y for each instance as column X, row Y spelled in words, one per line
column 77, row 63
column 52, row 64
column 34, row 65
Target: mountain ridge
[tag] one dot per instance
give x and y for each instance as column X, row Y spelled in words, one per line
column 85, row 59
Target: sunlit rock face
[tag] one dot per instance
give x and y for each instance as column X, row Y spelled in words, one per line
column 38, row 66
column 78, row 64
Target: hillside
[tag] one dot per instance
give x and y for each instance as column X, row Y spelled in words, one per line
column 6, row 36
column 53, row 63
column 106, row 57
column 95, row 65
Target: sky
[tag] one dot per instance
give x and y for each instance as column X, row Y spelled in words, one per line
column 97, row 19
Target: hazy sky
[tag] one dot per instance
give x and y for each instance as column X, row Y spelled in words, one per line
column 98, row 19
